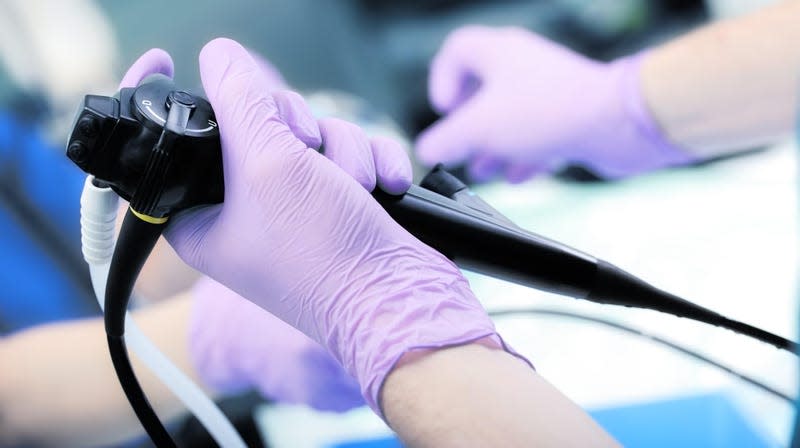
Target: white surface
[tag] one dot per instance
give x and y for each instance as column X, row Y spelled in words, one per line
column 723, row 236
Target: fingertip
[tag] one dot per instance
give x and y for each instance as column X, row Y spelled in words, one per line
column 425, row 149
column 438, row 144
column 442, row 84
column 348, row 147
column 222, row 59
column 152, row 61
column 392, row 165
column 456, row 69
column 297, row 114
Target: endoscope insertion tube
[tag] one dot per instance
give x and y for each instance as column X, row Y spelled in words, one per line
column 98, row 216
column 446, row 216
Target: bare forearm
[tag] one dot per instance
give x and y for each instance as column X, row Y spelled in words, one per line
column 731, row 85
column 477, row 396
column 58, row 387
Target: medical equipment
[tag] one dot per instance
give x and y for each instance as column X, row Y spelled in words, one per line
column 444, row 214
column 158, row 148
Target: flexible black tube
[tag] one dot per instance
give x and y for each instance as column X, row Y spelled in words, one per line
column 640, row 333
column 478, row 240
column 136, row 397
column 136, row 240
column 614, row 286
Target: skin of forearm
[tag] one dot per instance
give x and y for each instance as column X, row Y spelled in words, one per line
column 728, row 86
column 164, row 275
column 58, row 386
column 473, row 395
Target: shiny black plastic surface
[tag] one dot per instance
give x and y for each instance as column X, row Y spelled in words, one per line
column 487, row 244
column 112, row 140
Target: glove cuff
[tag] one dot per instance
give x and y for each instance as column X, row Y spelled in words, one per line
column 650, row 148
column 431, row 309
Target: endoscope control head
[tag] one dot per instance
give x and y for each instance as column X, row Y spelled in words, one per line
column 155, row 145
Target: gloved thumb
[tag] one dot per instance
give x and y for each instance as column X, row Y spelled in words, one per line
column 249, row 120
column 232, row 81
column 297, row 115
column 291, row 106
column 455, row 137
column 456, row 69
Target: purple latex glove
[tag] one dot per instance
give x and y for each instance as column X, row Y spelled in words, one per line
column 519, row 104
column 236, row 345
column 298, row 236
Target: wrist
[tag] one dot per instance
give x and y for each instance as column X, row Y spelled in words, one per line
column 421, row 386
column 424, row 305
column 641, row 113
column 636, row 141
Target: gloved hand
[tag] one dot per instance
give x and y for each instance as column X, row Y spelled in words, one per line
column 236, row 345
column 300, row 238
column 519, row 104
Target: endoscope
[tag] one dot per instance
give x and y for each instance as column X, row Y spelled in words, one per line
column 158, row 148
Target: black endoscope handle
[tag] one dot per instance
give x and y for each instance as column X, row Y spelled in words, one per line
column 151, row 185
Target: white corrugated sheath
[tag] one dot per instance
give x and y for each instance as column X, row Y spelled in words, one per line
column 98, row 218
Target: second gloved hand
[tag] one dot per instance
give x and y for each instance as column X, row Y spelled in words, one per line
column 236, row 345
column 518, row 104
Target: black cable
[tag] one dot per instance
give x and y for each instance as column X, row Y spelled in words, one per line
column 136, row 397
column 759, row 334
column 136, row 240
column 614, row 286
column 631, row 330
column 477, row 238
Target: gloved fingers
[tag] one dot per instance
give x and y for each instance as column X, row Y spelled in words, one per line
column 456, row 137
column 519, row 173
column 456, row 69
column 392, row 165
column 296, row 113
column 348, row 147
column 484, row 167
column 152, row 61
column 291, row 106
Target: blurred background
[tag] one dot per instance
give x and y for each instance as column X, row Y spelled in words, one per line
column 367, row 60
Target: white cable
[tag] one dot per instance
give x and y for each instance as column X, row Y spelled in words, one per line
column 98, row 217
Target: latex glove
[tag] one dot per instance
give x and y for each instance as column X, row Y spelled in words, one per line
column 236, row 345
column 298, row 236
column 519, row 104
